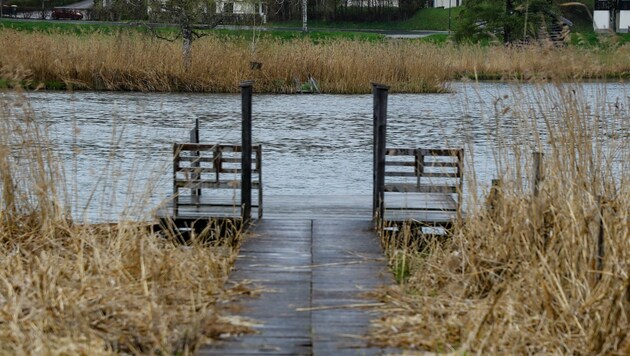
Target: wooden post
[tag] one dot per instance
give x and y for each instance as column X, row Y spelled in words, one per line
column 495, row 195
column 460, row 186
column 246, row 150
column 374, row 139
column 600, row 239
column 538, row 175
column 195, row 176
column 260, row 182
column 175, row 188
column 380, row 93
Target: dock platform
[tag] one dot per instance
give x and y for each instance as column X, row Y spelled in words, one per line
column 431, row 209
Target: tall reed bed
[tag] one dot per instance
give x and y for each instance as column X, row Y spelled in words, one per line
column 71, row 288
column 139, row 62
column 525, row 273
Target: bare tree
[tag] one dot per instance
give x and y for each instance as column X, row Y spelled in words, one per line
column 191, row 16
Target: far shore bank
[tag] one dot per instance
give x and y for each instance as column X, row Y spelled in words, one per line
column 139, row 62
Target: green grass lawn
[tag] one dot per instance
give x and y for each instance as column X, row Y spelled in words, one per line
column 58, row 27
column 86, row 29
column 314, row 35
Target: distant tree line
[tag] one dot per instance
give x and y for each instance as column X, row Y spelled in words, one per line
column 117, row 10
column 344, row 10
column 508, row 21
column 276, row 10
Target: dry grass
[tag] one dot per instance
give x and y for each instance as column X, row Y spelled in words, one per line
column 139, row 62
column 522, row 274
column 68, row 288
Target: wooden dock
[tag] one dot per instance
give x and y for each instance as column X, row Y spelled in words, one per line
column 316, row 273
column 316, row 256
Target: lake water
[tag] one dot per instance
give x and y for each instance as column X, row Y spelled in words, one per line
column 117, row 147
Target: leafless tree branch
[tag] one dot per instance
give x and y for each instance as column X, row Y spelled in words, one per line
column 153, row 31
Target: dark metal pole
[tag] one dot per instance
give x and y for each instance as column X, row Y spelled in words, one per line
column 246, row 153
column 380, row 147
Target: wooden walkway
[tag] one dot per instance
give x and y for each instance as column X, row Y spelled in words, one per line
column 316, row 272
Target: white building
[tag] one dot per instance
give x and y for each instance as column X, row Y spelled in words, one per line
column 372, row 3
column 602, row 20
column 241, row 8
column 447, row 3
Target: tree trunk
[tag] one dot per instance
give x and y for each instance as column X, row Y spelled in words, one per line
column 187, row 36
column 304, row 16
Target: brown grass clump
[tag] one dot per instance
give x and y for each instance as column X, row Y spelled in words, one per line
column 68, row 288
column 139, row 62
column 525, row 274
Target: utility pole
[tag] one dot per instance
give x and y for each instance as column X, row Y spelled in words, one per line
column 304, row 16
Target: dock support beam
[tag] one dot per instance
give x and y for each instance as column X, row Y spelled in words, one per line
column 246, row 153
column 379, row 94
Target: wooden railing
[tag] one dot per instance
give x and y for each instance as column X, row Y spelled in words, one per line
column 419, row 170
column 199, row 170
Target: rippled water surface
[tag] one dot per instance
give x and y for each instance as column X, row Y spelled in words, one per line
column 312, row 144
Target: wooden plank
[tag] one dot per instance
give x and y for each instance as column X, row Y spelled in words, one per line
column 343, row 285
column 424, row 217
column 200, row 159
column 400, row 151
column 441, row 164
column 440, row 175
column 195, row 146
column 196, row 170
column 410, row 187
column 400, row 163
column 224, row 148
column 440, row 151
column 400, row 174
column 274, row 310
column 210, row 183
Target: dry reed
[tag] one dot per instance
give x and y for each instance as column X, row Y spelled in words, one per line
column 138, row 62
column 531, row 274
column 68, row 288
